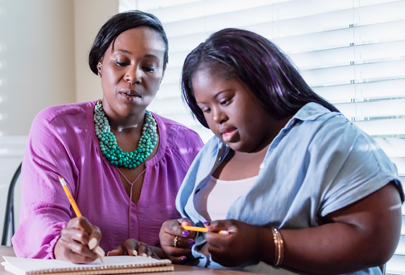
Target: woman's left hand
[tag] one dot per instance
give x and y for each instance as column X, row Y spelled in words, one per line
column 133, row 247
column 235, row 248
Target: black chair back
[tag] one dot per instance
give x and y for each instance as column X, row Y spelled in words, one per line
column 9, row 215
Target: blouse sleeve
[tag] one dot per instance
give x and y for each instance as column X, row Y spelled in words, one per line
column 353, row 165
column 45, row 209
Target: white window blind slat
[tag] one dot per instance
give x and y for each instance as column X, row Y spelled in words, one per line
column 168, row 106
column 168, row 90
column 204, row 8
column 367, row 53
column 367, row 110
column 384, row 127
column 363, row 91
column 355, row 74
column 172, row 74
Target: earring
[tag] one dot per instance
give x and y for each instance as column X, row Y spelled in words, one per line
column 99, row 65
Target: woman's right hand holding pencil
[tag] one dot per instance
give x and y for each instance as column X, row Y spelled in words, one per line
column 175, row 241
column 78, row 241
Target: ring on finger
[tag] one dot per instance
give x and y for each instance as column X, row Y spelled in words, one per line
column 175, row 241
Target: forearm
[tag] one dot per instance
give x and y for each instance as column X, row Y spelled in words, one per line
column 334, row 248
column 159, row 252
column 34, row 239
column 358, row 236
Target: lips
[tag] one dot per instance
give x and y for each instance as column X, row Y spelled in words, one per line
column 129, row 95
column 128, row 92
column 228, row 134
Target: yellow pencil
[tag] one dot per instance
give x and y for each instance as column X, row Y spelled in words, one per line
column 99, row 251
column 203, row 229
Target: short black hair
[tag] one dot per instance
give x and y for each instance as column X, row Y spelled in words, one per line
column 118, row 24
column 258, row 63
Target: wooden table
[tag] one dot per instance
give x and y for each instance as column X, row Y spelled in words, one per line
column 178, row 269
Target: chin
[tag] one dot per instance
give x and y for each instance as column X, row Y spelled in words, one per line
column 237, row 147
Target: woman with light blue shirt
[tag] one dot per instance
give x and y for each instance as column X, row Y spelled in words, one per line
column 296, row 187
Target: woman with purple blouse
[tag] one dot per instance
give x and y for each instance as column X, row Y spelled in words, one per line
column 122, row 164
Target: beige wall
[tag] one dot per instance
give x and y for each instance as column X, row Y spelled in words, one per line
column 37, row 60
column 43, row 56
column 90, row 15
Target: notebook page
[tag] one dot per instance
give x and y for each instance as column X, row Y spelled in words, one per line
column 24, row 265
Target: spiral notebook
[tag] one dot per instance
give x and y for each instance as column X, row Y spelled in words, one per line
column 111, row 265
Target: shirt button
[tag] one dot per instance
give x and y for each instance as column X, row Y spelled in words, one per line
column 262, row 165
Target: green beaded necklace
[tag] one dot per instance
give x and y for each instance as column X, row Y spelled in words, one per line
column 110, row 148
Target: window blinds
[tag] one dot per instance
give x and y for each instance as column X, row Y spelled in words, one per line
column 351, row 52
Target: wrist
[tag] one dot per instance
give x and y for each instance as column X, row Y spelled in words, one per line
column 265, row 244
column 159, row 252
column 278, row 247
column 57, row 250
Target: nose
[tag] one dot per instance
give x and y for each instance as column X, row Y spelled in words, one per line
column 218, row 115
column 133, row 75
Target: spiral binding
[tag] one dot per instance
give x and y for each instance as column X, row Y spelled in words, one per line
column 162, row 265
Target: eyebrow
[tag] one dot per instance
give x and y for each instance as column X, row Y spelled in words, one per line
column 145, row 56
column 217, row 94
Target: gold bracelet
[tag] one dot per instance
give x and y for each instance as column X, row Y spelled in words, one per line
column 279, row 247
column 276, row 247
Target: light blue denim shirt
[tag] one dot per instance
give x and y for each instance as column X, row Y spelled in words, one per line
column 319, row 162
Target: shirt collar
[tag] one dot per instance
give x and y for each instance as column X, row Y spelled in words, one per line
column 310, row 111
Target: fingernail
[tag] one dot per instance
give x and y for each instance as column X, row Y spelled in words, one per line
column 185, row 223
column 144, row 255
column 185, row 233
column 183, row 258
column 108, row 253
column 191, row 242
column 92, row 243
column 207, row 223
column 100, row 251
column 135, row 252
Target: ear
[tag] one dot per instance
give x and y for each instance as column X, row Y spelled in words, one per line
column 99, row 67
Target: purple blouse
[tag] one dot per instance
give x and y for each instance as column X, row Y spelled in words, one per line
column 62, row 142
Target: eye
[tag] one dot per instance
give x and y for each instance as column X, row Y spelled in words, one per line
column 120, row 64
column 205, row 109
column 149, row 69
column 225, row 102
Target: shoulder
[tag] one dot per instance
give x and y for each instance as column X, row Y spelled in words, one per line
column 329, row 138
column 314, row 113
column 67, row 120
column 314, row 123
column 63, row 114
